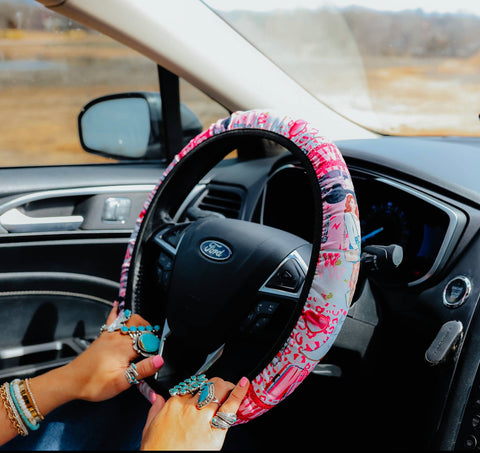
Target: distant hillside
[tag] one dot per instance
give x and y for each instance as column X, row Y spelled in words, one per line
column 377, row 33
column 397, row 34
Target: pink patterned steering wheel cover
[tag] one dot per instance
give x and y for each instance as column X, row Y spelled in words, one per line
column 338, row 263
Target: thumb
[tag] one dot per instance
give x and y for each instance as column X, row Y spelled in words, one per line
column 149, row 366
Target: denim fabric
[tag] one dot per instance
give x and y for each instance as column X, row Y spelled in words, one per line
column 115, row 424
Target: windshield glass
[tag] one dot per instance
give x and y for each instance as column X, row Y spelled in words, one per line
column 406, row 67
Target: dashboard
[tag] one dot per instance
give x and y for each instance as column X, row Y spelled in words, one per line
column 391, row 212
column 410, row 196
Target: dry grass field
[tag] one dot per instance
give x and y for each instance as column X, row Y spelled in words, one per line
column 45, row 80
column 47, row 77
column 439, row 96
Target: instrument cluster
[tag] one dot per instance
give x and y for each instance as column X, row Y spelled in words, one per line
column 390, row 213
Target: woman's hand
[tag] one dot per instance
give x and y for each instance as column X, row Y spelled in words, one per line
column 99, row 372
column 179, row 425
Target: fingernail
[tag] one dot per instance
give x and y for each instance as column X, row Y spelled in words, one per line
column 153, row 397
column 243, row 382
column 115, row 303
column 157, row 361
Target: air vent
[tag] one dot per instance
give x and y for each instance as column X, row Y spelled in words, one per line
column 227, row 202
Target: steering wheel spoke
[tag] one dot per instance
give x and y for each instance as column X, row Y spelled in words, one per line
column 161, row 250
column 168, row 237
column 288, row 278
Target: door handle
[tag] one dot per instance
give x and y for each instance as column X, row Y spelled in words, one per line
column 15, row 221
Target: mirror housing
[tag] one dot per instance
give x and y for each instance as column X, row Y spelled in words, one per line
column 129, row 126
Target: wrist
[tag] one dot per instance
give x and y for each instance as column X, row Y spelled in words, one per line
column 53, row 389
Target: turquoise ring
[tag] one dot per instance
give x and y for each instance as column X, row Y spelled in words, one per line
column 144, row 339
column 145, row 343
column 131, row 374
column 207, row 396
column 190, row 385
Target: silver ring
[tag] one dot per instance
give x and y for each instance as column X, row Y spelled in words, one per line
column 118, row 322
column 227, row 417
column 207, row 395
column 131, row 374
column 219, row 423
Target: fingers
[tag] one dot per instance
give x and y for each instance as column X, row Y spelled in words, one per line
column 235, row 398
column 137, row 320
column 149, row 366
column 113, row 313
column 222, row 388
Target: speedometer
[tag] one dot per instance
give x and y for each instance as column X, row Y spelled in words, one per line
column 394, row 214
column 385, row 223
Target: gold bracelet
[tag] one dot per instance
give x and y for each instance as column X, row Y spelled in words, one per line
column 27, row 383
column 17, row 424
column 29, row 400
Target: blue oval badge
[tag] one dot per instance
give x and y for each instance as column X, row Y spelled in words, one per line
column 215, row 250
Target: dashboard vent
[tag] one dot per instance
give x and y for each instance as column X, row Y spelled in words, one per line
column 224, row 201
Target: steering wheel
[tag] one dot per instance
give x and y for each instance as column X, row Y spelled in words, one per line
column 234, row 298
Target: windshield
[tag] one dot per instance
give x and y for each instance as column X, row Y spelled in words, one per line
column 407, row 67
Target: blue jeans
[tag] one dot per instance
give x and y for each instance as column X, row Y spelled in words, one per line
column 115, row 424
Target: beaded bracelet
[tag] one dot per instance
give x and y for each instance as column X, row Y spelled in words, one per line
column 12, row 413
column 20, row 405
column 37, row 415
column 21, row 401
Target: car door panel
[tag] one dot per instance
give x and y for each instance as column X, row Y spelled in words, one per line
column 64, row 232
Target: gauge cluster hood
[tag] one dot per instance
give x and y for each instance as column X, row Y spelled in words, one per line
column 188, row 38
column 431, row 159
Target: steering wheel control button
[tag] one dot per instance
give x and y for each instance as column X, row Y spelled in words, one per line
column 165, row 262
column 266, row 308
column 475, row 421
column 289, row 277
column 470, row 442
column 445, row 342
column 215, row 250
column 258, row 319
column 165, row 282
column 164, row 270
column 456, row 292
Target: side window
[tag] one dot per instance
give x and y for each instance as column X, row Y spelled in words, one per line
column 50, row 67
column 207, row 110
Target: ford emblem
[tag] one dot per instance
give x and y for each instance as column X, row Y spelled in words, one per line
column 215, row 250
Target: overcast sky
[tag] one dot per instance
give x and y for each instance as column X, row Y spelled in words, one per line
column 468, row 6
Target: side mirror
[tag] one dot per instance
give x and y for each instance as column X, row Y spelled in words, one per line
column 129, row 126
